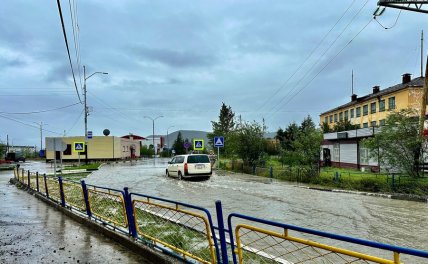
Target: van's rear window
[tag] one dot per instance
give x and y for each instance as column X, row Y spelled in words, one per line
column 198, row 159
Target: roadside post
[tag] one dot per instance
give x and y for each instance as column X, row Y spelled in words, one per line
column 219, row 143
column 221, row 232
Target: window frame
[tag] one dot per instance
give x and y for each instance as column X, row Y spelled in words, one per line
column 373, row 110
column 365, row 110
column 358, row 111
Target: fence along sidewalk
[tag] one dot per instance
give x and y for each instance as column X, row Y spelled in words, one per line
column 187, row 231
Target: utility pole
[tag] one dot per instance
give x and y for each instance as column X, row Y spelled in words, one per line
column 423, row 103
column 41, row 133
column 167, row 138
column 422, row 54
column 86, row 109
column 153, row 135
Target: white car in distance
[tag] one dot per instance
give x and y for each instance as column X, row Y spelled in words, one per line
column 189, row 166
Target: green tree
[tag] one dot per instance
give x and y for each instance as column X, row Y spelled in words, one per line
column 307, row 145
column 178, row 145
column 2, row 150
column 286, row 137
column 344, row 125
column 247, row 142
column 397, row 145
column 223, row 127
column 146, row 151
column 326, row 128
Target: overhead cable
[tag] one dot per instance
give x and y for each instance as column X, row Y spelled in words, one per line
column 68, row 49
column 39, row 111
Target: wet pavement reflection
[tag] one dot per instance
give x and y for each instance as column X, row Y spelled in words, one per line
column 33, row 232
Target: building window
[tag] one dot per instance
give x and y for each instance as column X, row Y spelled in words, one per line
column 341, row 116
column 124, row 149
column 326, row 119
column 391, row 103
column 346, row 115
column 358, row 111
column 365, row 125
column 373, row 123
column 352, row 113
column 336, row 152
column 364, row 156
column 335, row 117
column 382, row 105
column 382, row 122
column 373, row 108
column 331, row 118
column 365, row 110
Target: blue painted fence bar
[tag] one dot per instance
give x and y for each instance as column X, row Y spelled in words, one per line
column 221, row 254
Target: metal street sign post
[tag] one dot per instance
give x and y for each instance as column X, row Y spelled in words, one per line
column 79, row 147
column 219, row 143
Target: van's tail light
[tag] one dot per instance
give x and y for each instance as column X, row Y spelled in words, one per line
column 186, row 170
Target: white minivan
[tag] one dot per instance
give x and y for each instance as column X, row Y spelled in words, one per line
column 189, row 166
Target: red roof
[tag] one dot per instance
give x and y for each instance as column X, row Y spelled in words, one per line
column 135, row 137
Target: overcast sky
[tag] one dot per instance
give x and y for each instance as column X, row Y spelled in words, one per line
column 182, row 59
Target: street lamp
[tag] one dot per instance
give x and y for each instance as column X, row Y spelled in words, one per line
column 167, row 139
column 153, row 122
column 86, row 108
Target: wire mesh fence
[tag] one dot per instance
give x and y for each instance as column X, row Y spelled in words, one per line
column 73, row 195
column 256, row 245
column 108, row 205
column 53, row 188
column 188, row 233
column 42, row 184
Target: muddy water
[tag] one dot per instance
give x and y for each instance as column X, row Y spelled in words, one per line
column 396, row 222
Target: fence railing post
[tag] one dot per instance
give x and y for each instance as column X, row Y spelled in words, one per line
column 130, row 213
column 28, row 177
column 61, row 191
column 221, row 231
column 37, row 181
column 22, row 175
column 46, row 185
column 85, row 196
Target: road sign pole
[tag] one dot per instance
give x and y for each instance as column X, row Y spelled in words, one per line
column 218, row 158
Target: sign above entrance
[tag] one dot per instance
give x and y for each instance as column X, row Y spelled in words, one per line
column 79, row 146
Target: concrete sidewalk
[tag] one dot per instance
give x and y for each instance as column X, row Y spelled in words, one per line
column 33, row 232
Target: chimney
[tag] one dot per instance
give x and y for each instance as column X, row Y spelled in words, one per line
column 376, row 89
column 353, row 97
column 407, row 77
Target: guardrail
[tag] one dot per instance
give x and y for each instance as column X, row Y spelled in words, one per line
column 188, row 232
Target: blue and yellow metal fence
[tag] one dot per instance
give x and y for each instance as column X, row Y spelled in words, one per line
column 188, row 232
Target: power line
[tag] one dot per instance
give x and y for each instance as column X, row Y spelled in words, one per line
column 29, row 125
column 319, row 59
column 308, row 57
column 68, row 49
column 77, row 120
column 39, row 111
column 395, row 23
column 73, row 17
column 325, row 66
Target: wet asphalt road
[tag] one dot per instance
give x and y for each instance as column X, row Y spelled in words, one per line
column 33, row 232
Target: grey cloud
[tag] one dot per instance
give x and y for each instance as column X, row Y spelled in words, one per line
column 175, row 58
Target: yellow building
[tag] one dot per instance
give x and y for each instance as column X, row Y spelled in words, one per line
column 371, row 110
column 98, row 148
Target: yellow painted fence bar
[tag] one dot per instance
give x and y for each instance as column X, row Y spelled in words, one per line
column 310, row 243
column 176, row 209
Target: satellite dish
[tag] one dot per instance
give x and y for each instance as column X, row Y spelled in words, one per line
column 106, row 132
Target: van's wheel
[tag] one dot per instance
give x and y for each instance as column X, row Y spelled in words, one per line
column 180, row 176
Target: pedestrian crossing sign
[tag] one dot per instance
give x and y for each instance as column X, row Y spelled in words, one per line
column 79, row 146
column 198, row 144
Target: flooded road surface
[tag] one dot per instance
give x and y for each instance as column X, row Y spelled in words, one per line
column 34, row 232
column 396, row 222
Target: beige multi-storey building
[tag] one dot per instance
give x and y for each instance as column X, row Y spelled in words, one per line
column 371, row 110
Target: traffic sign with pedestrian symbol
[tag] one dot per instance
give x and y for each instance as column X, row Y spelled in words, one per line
column 198, row 144
column 79, row 146
column 219, row 141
